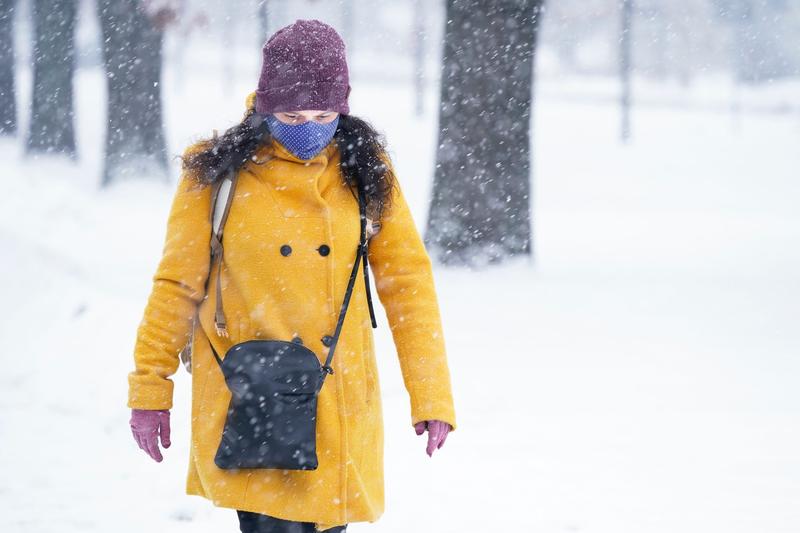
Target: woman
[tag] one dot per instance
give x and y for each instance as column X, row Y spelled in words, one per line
column 290, row 240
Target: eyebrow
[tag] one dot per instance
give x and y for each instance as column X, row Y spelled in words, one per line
column 318, row 114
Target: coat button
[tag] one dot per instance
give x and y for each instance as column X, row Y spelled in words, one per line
column 327, row 340
column 286, row 250
column 297, row 339
column 324, row 250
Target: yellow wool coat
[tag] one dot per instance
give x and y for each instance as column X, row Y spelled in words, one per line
column 265, row 294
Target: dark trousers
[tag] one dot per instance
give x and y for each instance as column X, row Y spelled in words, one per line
column 262, row 523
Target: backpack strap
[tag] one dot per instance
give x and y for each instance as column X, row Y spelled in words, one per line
column 365, row 254
column 221, row 206
column 221, row 200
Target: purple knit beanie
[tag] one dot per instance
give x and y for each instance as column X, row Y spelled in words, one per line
column 303, row 67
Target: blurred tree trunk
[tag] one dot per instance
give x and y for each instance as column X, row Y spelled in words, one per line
column 132, row 45
column 263, row 20
column 51, row 127
column 348, row 10
column 229, row 31
column 761, row 48
column 480, row 210
column 8, row 95
column 625, row 35
column 420, row 17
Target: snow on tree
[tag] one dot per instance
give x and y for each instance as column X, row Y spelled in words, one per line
column 8, row 100
column 132, row 34
column 52, row 123
column 480, row 210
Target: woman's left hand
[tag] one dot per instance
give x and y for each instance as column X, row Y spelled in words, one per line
column 437, row 433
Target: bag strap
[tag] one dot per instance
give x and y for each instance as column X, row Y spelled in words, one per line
column 222, row 198
column 361, row 251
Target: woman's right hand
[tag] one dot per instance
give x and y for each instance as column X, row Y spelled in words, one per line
column 146, row 426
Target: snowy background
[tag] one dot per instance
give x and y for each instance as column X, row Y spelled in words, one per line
column 641, row 375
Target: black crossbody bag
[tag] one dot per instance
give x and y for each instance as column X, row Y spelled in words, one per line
column 274, row 384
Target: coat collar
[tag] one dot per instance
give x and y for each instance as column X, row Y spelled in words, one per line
column 303, row 180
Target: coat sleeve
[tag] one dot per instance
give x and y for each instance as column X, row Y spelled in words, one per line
column 178, row 288
column 404, row 281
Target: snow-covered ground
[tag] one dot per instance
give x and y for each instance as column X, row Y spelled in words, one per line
column 641, row 376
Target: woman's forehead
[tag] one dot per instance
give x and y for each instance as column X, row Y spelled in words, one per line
column 317, row 111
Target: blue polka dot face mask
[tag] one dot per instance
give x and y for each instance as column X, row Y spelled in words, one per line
column 304, row 140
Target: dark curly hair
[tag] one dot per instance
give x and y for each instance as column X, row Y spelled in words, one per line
column 363, row 156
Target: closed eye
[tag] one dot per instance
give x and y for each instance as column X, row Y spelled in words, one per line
column 324, row 115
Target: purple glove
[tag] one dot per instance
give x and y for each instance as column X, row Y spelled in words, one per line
column 437, row 433
column 146, row 426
